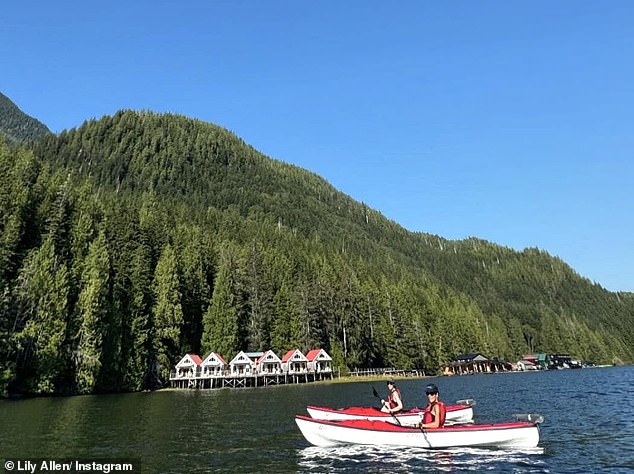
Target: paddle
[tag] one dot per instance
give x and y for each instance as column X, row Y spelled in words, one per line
column 376, row 394
column 532, row 417
column 470, row 402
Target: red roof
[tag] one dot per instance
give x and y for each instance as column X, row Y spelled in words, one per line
column 313, row 354
column 288, row 355
column 197, row 360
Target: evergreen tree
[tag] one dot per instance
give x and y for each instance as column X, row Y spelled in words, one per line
column 220, row 323
column 92, row 308
column 196, row 277
column 18, row 174
column 167, row 313
column 42, row 294
column 137, row 344
column 7, row 343
column 286, row 331
column 259, row 305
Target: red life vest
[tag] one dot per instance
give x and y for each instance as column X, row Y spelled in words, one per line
column 428, row 414
column 390, row 400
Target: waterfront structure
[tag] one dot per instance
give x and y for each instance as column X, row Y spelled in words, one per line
column 254, row 356
column 563, row 361
column 294, row 362
column 540, row 361
column 475, row 363
column 251, row 369
column 213, row 365
column 268, row 363
column 241, row 364
column 188, row 366
column 319, row 361
column 525, row 364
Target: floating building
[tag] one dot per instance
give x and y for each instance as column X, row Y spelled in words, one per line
column 251, row 369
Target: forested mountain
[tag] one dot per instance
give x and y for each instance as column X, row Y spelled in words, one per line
column 136, row 238
column 16, row 125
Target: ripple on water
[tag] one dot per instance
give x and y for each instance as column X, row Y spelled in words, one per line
column 378, row 459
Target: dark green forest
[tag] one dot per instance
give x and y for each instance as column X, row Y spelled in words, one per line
column 139, row 237
column 16, row 126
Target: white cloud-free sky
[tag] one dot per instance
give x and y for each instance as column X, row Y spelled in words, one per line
column 510, row 121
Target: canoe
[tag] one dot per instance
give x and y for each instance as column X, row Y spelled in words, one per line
column 326, row 433
column 456, row 414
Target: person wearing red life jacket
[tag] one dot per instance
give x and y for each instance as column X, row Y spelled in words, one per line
column 435, row 412
column 394, row 403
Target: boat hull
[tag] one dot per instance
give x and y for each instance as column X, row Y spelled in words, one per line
column 327, row 433
column 456, row 414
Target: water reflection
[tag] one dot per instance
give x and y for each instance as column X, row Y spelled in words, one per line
column 356, row 458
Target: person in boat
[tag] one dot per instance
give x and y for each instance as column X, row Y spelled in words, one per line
column 435, row 412
column 394, row 402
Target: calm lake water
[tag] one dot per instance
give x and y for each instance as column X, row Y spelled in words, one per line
column 589, row 426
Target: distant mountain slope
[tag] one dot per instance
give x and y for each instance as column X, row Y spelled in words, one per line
column 18, row 126
column 139, row 237
column 205, row 165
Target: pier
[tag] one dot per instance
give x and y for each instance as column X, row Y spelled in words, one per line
column 251, row 369
column 246, row 380
column 387, row 372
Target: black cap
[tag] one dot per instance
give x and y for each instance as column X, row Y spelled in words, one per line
column 431, row 388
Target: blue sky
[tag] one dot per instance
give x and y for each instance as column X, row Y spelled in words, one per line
column 505, row 120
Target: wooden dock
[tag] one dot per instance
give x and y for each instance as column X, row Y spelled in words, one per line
column 244, row 381
column 387, row 372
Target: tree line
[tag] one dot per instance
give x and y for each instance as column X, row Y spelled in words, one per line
column 137, row 238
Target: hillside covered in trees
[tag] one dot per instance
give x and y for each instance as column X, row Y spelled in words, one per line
column 136, row 238
column 18, row 126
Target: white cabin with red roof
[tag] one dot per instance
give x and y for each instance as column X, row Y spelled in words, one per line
column 213, row 365
column 188, row 366
column 319, row 361
column 269, row 363
column 294, row 362
column 241, row 364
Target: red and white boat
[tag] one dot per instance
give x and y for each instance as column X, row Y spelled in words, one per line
column 326, row 433
column 456, row 414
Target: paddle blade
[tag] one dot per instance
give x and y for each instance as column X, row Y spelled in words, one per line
column 375, row 393
column 532, row 417
column 470, row 402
